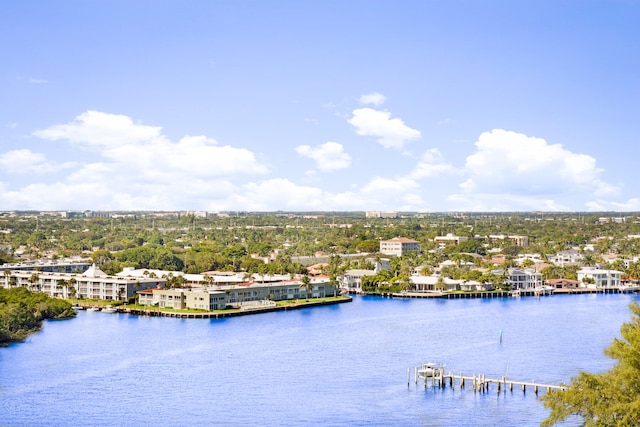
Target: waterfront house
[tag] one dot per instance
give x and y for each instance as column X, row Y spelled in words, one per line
column 434, row 283
column 596, row 278
column 564, row 283
column 351, row 280
column 521, row 278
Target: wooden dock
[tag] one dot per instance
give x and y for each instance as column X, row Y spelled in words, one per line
column 479, row 383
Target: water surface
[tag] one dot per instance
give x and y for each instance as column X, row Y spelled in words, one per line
column 341, row 365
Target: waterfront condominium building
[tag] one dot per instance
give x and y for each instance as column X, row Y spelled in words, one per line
column 92, row 284
column 399, row 246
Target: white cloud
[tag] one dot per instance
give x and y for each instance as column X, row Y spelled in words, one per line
column 507, row 162
column 95, row 128
column 390, row 133
column 631, row 205
column 500, row 202
column 133, row 167
column 328, row 156
column 379, row 193
column 135, row 149
column 431, row 165
column 27, row 162
column 372, row 99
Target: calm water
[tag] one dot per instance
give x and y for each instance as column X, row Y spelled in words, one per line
column 342, row 365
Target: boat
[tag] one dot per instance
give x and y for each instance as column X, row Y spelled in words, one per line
column 628, row 288
column 110, row 309
column 430, row 369
column 515, row 293
column 544, row 290
column 93, row 309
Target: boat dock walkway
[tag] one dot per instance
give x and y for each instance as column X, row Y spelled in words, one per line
column 479, row 383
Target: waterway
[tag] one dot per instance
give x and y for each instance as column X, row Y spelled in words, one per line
column 341, row 365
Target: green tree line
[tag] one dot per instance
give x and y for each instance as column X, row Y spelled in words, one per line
column 22, row 312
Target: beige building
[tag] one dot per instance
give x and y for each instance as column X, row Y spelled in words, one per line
column 249, row 294
column 449, row 239
column 399, row 246
column 179, row 299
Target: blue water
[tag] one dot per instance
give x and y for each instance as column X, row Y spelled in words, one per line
column 341, row 365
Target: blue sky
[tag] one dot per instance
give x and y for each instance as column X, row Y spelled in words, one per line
column 320, row 105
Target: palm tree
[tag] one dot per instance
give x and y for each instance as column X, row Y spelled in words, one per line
column 306, row 285
column 634, row 270
column 335, row 269
column 33, row 279
column 61, row 284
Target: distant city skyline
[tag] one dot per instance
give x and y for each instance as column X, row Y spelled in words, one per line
column 248, row 105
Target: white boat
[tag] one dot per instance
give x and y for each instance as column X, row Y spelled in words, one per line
column 93, row 309
column 515, row 293
column 109, row 309
column 430, row 369
column 628, row 288
column 544, row 290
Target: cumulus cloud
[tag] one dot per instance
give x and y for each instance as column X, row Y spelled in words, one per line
column 133, row 166
column 95, row 128
column 142, row 150
column 630, row 205
column 372, row 99
column 379, row 193
column 390, row 133
column 432, row 164
column 511, row 162
column 27, row 162
column 328, row 156
column 500, row 202
column 513, row 171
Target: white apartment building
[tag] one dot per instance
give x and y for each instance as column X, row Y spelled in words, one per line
column 399, row 246
column 92, row 284
column 449, row 239
column 516, row 240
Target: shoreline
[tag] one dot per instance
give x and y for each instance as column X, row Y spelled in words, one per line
column 222, row 314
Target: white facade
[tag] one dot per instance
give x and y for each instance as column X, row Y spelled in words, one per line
column 516, row 240
column 449, row 239
column 562, row 258
column 522, row 278
column 92, row 284
column 399, row 246
column 351, row 280
column 601, row 278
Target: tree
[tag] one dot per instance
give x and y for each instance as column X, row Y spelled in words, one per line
column 334, row 269
column 72, row 282
column 634, row 270
column 607, row 399
column 62, row 284
column 33, row 280
column 306, row 285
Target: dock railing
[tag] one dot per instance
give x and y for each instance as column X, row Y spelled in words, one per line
column 480, row 383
